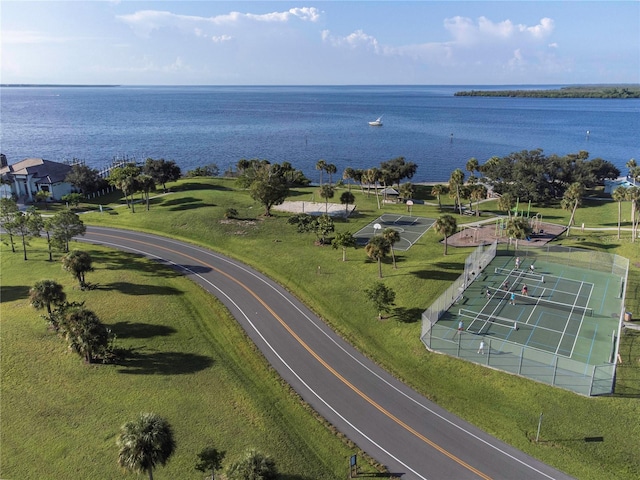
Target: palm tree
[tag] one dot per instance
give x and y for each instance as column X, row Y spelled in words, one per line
column 631, row 165
column 437, row 190
column 572, row 200
column 145, row 443
column 406, row 191
column 86, row 334
column 347, row 198
column 633, row 194
column 45, row 293
column 471, row 167
column 78, row 263
column 253, row 466
column 146, row 184
column 377, row 248
column 330, row 168
column 321, row 165
column 455, row 183
column 478, row 193
column 392, row 236
column 518, row 228
column 326, row 192
column 619, row 195
column 446, row 225
column 349, row 174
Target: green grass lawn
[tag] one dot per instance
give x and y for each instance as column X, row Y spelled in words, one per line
column 189, row 361
column 503, row 405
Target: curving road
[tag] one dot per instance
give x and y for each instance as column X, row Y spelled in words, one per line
column 412, row 436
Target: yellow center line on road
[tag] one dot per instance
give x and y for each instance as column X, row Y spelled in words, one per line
column 316, row 356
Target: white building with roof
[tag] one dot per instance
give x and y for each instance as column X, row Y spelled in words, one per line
column 24, row 179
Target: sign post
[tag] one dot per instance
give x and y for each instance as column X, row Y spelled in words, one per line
column 353, row 466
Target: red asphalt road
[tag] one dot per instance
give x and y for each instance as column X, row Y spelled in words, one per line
column 401, row 429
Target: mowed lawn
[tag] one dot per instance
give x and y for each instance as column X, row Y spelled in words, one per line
column 503, row 405
column 186, row 360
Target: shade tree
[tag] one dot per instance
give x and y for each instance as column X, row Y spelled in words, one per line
column 382, row 297
column 268, row 186
column 64, row 226
column 85, row 179
column 210, row 460
column 162, row 171
column 344, row 240
column 8, row 211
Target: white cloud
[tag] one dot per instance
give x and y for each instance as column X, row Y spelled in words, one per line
column 221, row 38
column 144, row 22
column 517, row 59
column 357, row 39
column 480, row 42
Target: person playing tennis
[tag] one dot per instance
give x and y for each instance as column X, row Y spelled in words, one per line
column 525, row 290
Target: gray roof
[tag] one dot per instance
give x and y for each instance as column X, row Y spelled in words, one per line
column 44, row 171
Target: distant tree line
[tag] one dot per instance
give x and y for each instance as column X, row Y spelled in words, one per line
column 532, row 176
column 565, row 92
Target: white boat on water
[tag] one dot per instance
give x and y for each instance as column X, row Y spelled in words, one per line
column 377, row 122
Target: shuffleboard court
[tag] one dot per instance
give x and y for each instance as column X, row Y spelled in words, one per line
column 410, row 228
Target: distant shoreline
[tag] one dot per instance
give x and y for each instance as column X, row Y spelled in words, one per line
column 57, row 85
column 593, row 91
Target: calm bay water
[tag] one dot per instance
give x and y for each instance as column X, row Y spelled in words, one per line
column 198, row 125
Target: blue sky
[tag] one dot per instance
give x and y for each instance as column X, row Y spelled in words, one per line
column 309, row 42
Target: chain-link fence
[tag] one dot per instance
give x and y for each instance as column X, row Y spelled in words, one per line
column 519, row 359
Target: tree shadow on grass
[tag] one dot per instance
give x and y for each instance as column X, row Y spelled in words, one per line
column 140, row 330
column 14, row 292
column 191, row 186
column 162, row 363
column 436, row 275
column 408, row 315
column 117, row 260
column 140, row 289
column 186, row 203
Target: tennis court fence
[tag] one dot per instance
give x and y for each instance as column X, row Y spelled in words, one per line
column 574, row 257
column 539, row 365
column 526, row 361
column 474, row 264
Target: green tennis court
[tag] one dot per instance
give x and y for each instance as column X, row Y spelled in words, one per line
column 556, row 318
column 410, row 229
column 559, row 314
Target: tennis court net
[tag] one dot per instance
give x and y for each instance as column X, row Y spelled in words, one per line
column 543, row 302
column 483, row 319
column 519, row 274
